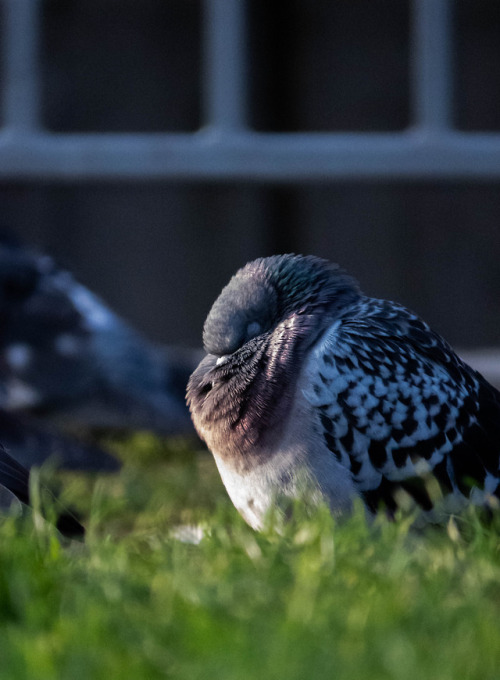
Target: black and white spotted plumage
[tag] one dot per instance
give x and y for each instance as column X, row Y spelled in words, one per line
column 65, row 356
column 309, row 383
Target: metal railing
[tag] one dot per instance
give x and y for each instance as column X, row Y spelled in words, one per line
column 225, row 148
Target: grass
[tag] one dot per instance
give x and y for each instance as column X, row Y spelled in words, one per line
column 320, row 601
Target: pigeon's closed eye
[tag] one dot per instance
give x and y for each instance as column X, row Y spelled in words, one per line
column 253, row 329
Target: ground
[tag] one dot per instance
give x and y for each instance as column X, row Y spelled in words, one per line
column 321, row 600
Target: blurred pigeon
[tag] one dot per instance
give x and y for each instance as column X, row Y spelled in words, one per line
column 309, row 384
column 15, row 484
column 65, row 356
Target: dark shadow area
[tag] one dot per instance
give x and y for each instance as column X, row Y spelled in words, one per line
column 121, row 65
column 328, row 66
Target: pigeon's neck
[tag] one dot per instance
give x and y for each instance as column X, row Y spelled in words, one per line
column 311, row 286
column 241, row 404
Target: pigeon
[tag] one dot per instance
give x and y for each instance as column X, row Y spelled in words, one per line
column 66, row 357
column 311, row 389
column 15, row 488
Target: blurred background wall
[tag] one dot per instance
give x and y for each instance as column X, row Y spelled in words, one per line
column 160, row 250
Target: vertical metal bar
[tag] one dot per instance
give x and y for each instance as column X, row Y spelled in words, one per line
column 224, row 72
column 21, row 100
column 432, row 67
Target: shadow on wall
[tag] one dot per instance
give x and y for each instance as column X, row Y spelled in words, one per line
column 160, row 255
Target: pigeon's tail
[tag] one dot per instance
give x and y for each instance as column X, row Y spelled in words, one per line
column 16, row 479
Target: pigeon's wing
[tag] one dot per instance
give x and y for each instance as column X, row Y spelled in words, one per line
column 16, row 479
column 13, row 476
column 395, row 403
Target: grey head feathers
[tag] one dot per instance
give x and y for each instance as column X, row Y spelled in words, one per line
column 247, row 307
column 265, row 291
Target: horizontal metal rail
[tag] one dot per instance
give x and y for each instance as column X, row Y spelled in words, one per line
column 225, row 149
column 250, row 156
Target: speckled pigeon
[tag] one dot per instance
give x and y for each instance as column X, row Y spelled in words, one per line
column 309, row 384
column 64, row 355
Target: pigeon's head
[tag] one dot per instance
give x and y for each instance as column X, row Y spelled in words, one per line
column 268, row 290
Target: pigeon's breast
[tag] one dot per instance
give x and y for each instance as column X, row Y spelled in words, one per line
column 295, row 465
column 241, row 405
